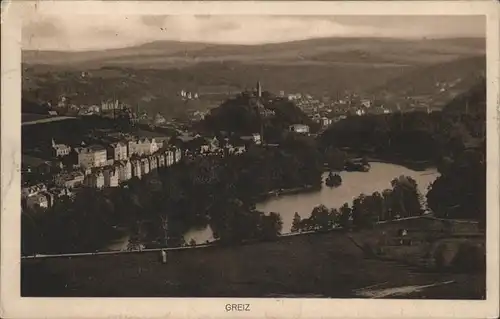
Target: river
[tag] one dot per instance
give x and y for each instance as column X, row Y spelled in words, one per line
column 353, row 184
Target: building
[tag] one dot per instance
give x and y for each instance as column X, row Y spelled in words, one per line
column 161, row 159
column 94, row 109
column 60, row 150
column 360, row 112
column 169, row 157
column 177, row 155
column 40, row 200
column 236, row 150
column 172, row 155
column 255, row 138
column 324, row 121
column 96, row 179
column 299, row 128
column 142, row 146
column 33, row 190
column 110, row 105
column 159, row 119
column 69, row 179
column 86, row 171
column 366, row 103
column 118, row 151
column 145, row 168
column 92, row 156
column 124, row 170
column 207, row 147
column 111, row 176
column 136, row 168
column 57, row 192
column 153, row 162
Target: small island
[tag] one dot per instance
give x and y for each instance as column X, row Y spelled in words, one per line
column 333, row 180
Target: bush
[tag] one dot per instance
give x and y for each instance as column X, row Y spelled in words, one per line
column 445, row 254
column 471, row 257
column 460, row 257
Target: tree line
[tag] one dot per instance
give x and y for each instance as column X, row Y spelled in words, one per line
column 401, row 200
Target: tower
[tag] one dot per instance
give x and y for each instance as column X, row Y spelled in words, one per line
column 260, row 111
column 259, row 90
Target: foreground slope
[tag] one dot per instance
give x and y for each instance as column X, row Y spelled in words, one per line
column 317, row 265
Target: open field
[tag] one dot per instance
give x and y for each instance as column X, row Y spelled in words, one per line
column 326, row 265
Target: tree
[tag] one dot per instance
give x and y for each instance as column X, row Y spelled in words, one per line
column 345, row 216
column 362, row 216
column 406, row 197
column 460, row 192
column 296, row 223
column 321, row 218
column 335, row 217
column 387, row 202
column 335, row 158
column 377, row 205
column 271, row 226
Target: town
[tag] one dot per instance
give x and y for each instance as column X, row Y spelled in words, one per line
column 109, row 158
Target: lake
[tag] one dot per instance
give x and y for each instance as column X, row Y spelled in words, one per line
column 353, row 184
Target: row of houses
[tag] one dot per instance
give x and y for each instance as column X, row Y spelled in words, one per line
column 39, row 195
column 97, row 155
column 119, row 171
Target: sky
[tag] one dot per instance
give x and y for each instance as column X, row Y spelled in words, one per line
column 77, row 32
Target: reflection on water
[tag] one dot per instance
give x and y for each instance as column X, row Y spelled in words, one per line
column 353, row 184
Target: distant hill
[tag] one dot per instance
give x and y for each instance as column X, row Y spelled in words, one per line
column 357, row 50
column 463, row 73
column 153, row 74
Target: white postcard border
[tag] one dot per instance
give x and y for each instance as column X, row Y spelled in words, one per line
column 13, row 306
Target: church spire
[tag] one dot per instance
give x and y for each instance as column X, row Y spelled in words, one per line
column 259, row 89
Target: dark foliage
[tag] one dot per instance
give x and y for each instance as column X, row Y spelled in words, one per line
column 240, row 115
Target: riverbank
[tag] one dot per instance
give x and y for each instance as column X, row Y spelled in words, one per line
column 372, row 156
column 320, row 264
column 413, row 165
column 303, row 199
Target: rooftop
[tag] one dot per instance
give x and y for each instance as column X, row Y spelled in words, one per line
column 96, row 148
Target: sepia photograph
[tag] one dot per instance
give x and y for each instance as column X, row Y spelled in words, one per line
column 254, row 156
